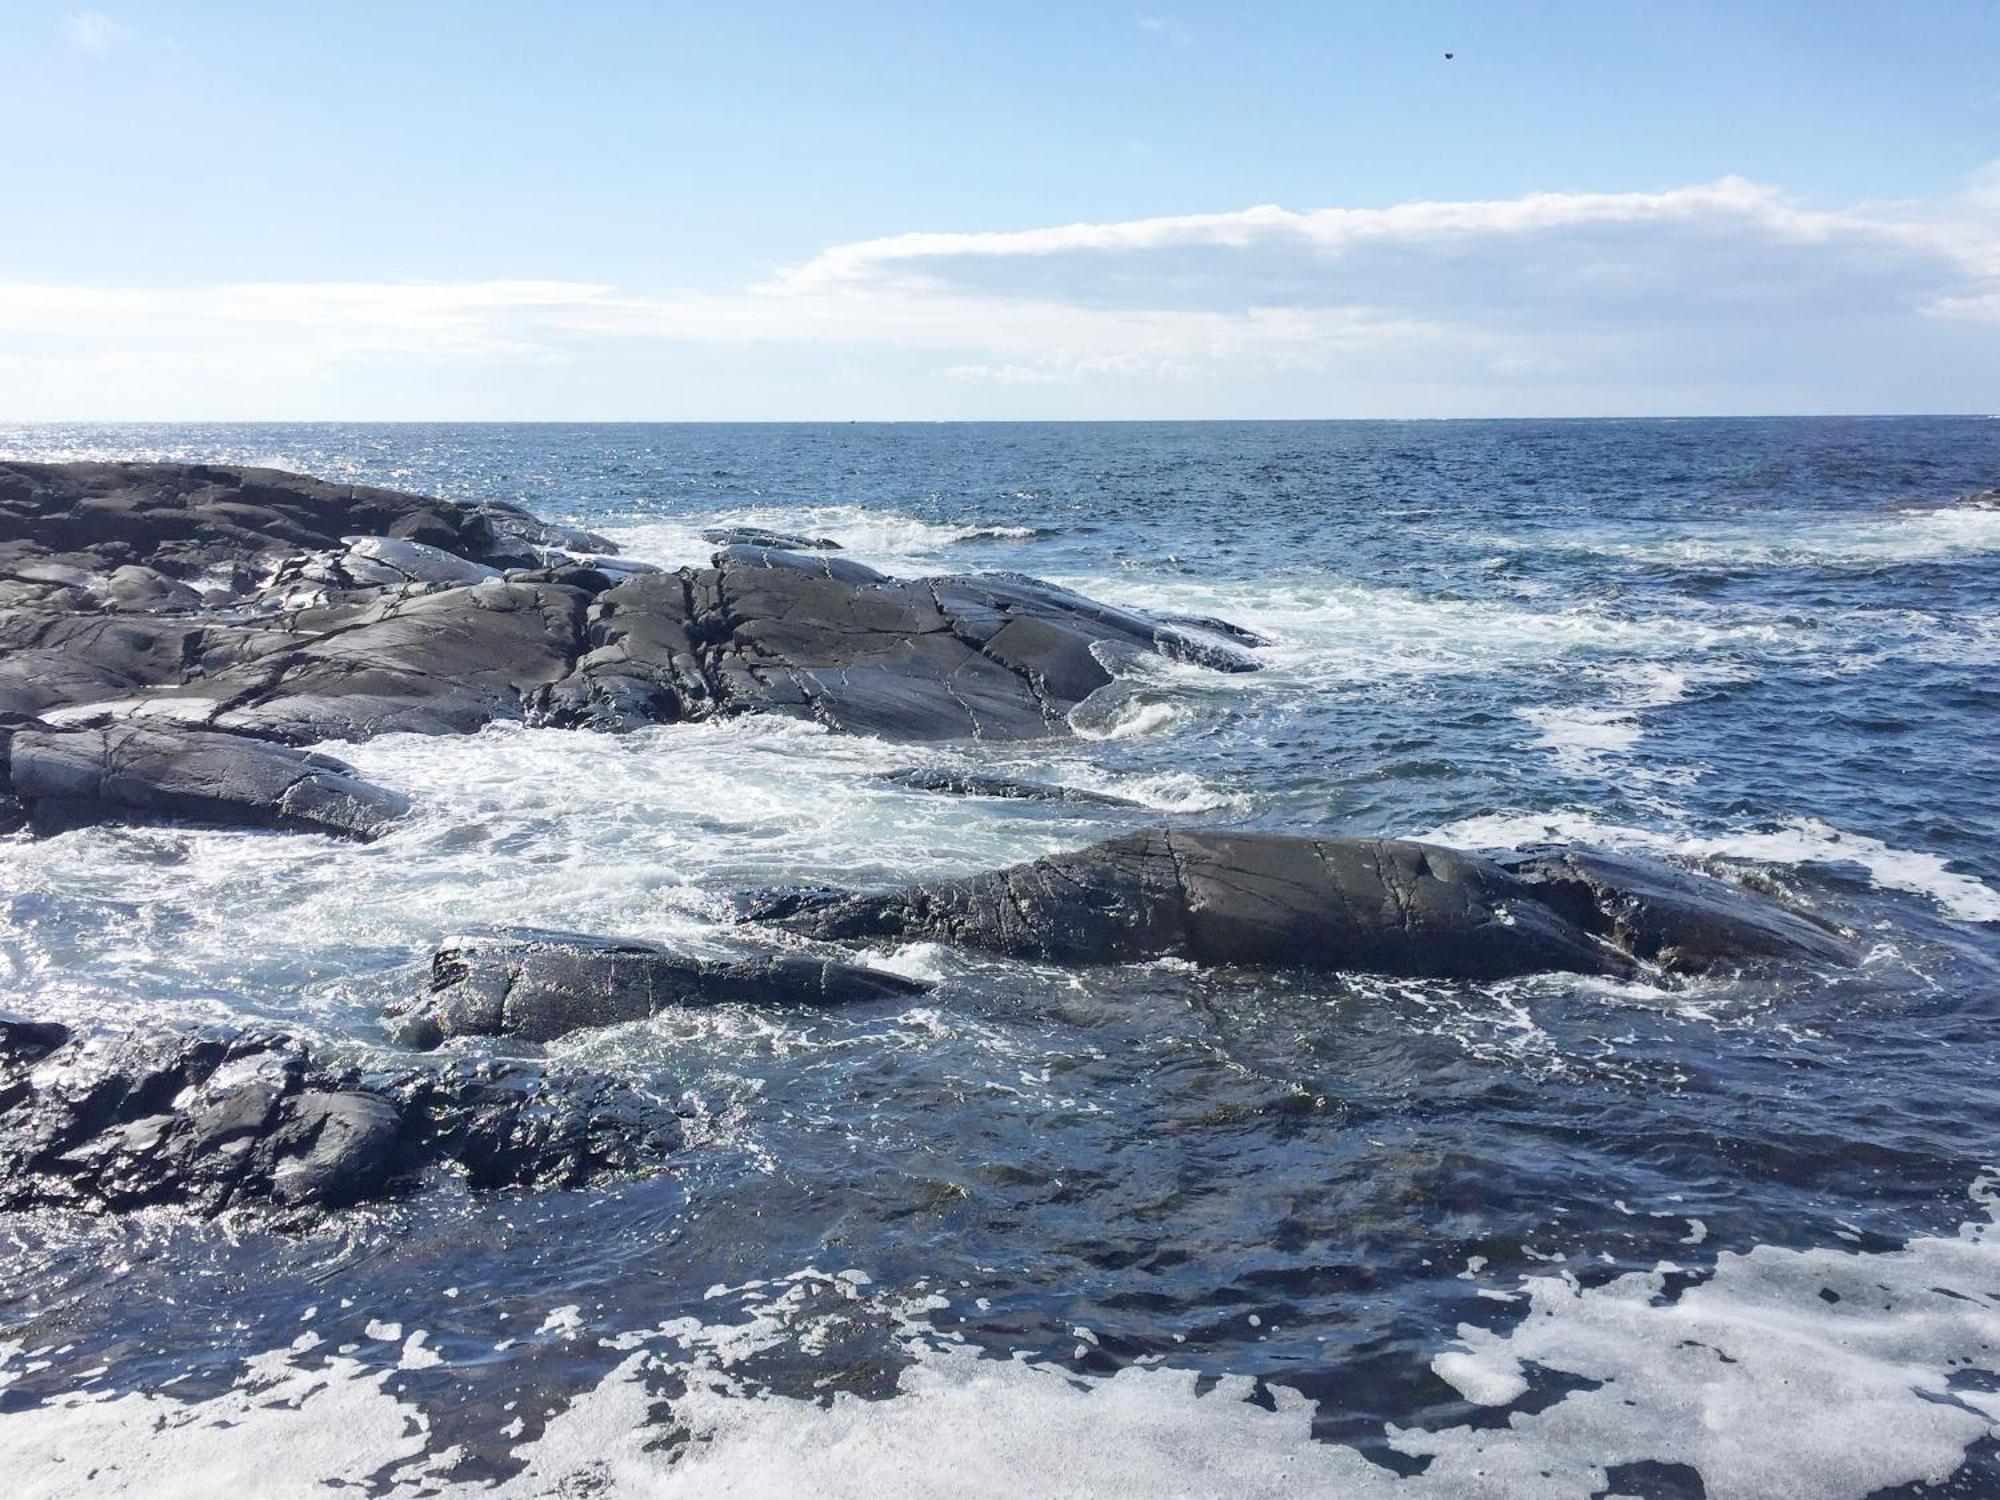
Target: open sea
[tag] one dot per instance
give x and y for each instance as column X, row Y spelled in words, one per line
column 1146, row 1231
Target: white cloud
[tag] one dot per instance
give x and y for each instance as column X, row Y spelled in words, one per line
column 94, row 32
column 1721, row 296
column 1166, row 28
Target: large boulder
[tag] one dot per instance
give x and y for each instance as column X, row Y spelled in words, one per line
column 543, row 985
column 1377, row 905
column 130, row 773
column 209, row 1121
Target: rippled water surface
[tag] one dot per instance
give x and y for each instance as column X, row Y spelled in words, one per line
column 1147, row 1230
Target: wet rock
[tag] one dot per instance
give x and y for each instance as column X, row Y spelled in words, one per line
column 1241, row 634
column 510, row 524
column 69, row 778
column 392, row 562
column 508, row 1125
column 757, row 536
column 973, row 784
column 1373, row 905
column 24, row 1039
column 542, row 985
column 1683, row 922
column 213, row 1121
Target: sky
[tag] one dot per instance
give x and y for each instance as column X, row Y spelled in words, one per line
column 766, row 211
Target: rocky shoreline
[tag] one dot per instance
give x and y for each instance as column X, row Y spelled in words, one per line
column 172, row 635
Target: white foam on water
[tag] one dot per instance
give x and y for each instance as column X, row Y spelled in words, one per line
column 641, row 835
column 1795, row 841
column 1594, row 739
column 1138, row 716
column 1403, row 631
column 286, row 1429
column 1914, row 534
column 1820, row 1373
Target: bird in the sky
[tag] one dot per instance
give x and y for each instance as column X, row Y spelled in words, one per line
column 1447, row 57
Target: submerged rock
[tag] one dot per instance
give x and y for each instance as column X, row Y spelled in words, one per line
column 973, row 784
column 213, row 1121
column 68, row 778
column 1375, row 905
column 542, row 985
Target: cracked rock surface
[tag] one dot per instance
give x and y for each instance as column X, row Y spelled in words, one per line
column 1370, row 905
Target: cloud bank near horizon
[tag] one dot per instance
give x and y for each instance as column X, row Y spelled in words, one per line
column 1725, row 296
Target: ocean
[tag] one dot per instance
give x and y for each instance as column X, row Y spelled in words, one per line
column 1149, row 1230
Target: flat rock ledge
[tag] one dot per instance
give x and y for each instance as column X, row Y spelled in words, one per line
column 1366, row 905
column 542, row 985
column 255, row 602
column 208, row 1121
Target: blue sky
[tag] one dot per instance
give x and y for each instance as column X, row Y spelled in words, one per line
column 772, row 211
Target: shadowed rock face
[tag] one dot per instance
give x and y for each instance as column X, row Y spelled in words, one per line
column 67, row 778
column 1382, row 906
column 543, row 985
column 208, row 1122
column 261, row 603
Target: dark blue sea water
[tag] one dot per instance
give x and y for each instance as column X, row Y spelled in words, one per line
column 1150, row 1230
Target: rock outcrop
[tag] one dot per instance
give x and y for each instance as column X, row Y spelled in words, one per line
column 261, row 603
column 542, row 985
column 997, row 657
column 1374, row 905
column 213, row 1121
column 57, row 779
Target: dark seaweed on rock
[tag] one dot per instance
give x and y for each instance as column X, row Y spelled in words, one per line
column 1376, row 905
